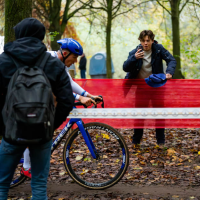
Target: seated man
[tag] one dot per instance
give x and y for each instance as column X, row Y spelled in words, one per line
column 69, row 51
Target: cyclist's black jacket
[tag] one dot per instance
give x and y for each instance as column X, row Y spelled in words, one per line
column 159, row 53
column 27, row 50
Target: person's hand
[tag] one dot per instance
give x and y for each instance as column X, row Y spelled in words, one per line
column 139, row 54
column 86, row 101
column 96, row 98
column 168, row 76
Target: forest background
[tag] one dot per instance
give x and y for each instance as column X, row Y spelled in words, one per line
column 89, row 28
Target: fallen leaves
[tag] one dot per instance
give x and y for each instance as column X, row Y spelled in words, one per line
column 106, row 136
column 170, row 152
column 79, row 157
column 62, row 173
column 176, row 164
column 197, row 167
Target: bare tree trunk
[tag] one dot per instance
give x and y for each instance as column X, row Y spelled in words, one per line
column 54, row 19
column 15, row 11
column 176, row 37
column 108, row 39
column 55, row 26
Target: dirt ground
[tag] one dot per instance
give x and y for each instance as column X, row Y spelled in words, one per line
column 119, row 191
column 172, row 172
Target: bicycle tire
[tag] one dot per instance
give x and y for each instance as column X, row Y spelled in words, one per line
column 113, row 152
column 18, row 178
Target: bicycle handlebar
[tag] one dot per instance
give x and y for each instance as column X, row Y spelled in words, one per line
column 94, row 106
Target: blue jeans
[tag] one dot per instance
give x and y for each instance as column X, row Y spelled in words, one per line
column 83, row 73
column 40, row 163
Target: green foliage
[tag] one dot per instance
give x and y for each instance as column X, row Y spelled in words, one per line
column 193, row 55
column 191, row 60
column 53, row 35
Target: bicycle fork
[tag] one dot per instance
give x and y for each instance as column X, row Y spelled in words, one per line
column 88, row 140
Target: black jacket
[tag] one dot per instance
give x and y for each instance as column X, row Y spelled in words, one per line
column 27, row 50
column 82, row 64
column 159, row 53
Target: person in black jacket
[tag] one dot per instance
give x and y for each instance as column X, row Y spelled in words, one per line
column 82, row 65
column 27, row 48
column 144, row 60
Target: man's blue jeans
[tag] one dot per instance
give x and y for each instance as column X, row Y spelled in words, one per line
column 40, row 164
column 83, row 73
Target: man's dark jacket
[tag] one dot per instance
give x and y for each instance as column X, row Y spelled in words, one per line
column 159, row 53
column 82, row 64
column 27, row 48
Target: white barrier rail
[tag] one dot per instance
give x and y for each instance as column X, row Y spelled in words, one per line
column 137, row 113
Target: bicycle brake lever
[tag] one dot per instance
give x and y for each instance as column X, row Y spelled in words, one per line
column 94, row 106
column 80, row 104
column 102, row 105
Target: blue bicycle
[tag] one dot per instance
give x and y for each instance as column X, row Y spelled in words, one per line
column 95, row 155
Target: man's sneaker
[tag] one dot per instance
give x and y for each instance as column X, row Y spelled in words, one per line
column 26, row 172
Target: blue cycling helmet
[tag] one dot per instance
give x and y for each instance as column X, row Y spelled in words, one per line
column 72, row 45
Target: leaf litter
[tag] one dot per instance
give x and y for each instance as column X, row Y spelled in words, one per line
column 177, row 163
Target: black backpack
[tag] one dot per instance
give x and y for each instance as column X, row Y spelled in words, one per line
column 28, row 113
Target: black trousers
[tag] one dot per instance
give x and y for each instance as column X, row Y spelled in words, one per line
column 143, row 97
column 160, row 135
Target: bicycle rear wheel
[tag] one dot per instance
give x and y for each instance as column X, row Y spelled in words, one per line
column 99, row 173
column 18, row 178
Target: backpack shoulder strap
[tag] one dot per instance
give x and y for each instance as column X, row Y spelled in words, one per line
column 42, row 60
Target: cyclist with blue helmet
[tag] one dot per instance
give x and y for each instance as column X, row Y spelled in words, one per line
column 68, row 53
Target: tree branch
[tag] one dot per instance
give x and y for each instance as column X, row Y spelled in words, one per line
column 183, row 6
column 73, row 3
column 102, row 4
column 92, row 7
column 196, row 14
column 84, row 6
column 39, row 11
column 163, row 6
column 114, row 16
column 42, row 5
column 196, row 4
column 117, row 6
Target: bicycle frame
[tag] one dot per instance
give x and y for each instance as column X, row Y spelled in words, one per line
column 84, row 133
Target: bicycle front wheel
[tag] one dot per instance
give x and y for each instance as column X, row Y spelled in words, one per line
column 104, row 171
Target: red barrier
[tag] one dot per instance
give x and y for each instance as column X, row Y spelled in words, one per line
column 121, row 93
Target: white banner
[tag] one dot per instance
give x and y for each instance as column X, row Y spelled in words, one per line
column 136, row 113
